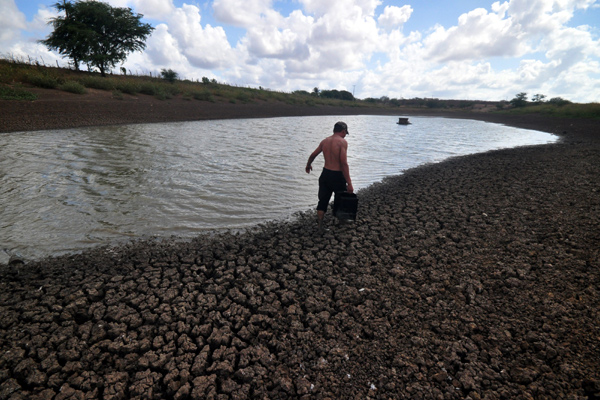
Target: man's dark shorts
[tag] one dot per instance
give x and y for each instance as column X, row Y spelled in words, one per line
column 329, row 182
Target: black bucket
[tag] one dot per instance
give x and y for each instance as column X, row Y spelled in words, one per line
column 345, row 206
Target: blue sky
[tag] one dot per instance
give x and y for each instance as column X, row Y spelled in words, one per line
column 466, row 49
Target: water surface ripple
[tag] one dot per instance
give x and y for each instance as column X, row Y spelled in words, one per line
column 64, row 190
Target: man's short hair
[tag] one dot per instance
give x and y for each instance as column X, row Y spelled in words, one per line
column 340, row 126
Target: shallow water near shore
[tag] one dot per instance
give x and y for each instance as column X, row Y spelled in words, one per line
column 65, row 190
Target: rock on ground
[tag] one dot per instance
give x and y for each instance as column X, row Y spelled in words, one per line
column 474, row 278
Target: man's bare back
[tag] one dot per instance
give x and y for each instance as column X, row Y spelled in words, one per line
column 332, row 148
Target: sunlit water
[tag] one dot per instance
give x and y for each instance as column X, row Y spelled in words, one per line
column 64, row 190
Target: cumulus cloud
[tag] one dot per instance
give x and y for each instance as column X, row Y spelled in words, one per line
column 154, row 9
column 323, row 7
column 40, row 23
column 19, row 37
column 394, row 17
column 515, row 29
column 11, row 20
column 490, row 52
column 512, row 29
column 162, row 48
column 204, row 47
column 478, row 35
column 324, row 36
column 281, row 38
column 242, row 13
column 273, row 43
column 182, row 42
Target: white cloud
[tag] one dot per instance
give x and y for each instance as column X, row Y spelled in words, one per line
column 394, row 17
column 276, row 37
column 162, row 49
column 478, row 35
column 512, row 29
column 19, row 37
column 40, row 22
column 273, row 43
column 11, row 20
column 242, row 13
column 342, row 39
column 183, row 36
column 490, row 53
column 450, row 60
column 154, row 9
column 323, row 7
column 333, row 36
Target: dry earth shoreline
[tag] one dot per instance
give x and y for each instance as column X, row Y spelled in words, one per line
column 474, row 278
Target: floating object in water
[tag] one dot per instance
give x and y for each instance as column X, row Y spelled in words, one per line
column 403, row 121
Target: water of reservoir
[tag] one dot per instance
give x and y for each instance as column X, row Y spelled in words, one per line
column 64, row 190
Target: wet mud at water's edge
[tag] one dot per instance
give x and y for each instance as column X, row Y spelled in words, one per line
column 476, row 277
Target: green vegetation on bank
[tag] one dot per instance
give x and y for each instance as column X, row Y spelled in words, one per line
column 15, row 93
column 570, row 110
column 16, row 76
column 555, row 107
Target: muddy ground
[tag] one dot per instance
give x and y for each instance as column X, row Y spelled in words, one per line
column 473, row 278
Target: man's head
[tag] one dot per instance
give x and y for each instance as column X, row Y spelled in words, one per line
column 340, row 127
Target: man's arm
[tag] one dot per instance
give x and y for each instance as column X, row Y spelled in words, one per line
column 312, row 157
column 344, row 166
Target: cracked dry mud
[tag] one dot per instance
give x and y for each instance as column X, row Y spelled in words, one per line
column 474, row 278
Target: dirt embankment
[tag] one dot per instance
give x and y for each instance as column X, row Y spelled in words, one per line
column 478, row 277
column 58, row 110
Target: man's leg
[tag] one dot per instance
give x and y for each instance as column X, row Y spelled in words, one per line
column 320, row 216
column 324, row 197
column 326, row 186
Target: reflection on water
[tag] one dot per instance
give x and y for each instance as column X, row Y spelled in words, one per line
column 61, row 191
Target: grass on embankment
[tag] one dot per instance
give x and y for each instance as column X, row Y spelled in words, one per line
column 571, row 110
column 17, row 75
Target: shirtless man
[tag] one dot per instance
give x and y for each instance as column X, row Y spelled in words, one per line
column 336, row 173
